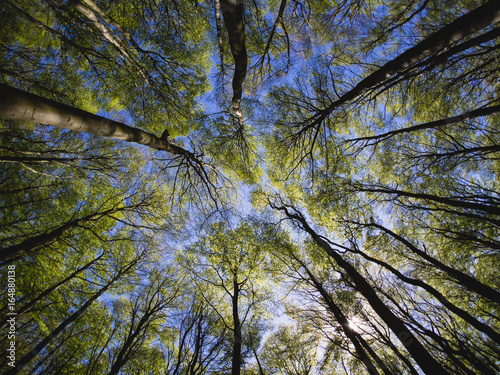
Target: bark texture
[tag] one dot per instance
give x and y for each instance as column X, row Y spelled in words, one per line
column 16, row 104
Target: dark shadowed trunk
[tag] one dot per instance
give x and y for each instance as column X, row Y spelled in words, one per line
column 45, row 238
column 57, row 331
column 232, row 12
column 27, row 307
column 353, row 336
column 236, row 361
column 463, row 279
column 470, row 23
column 495, row 336
column 419, row 353
column 480, row 112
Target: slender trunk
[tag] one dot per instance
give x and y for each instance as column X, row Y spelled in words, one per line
column 477, row 151
column 20, row 105
column 124, row 354
column 218, row 24
column 439, row 58
column 422, row 357
column 278, row 21
column 472, row 42
column 232, row 13
column 388, row 342
column 182, row 340
column 56, row 332
column 374, row 355
column 462, row 202
column 143, row 314
column 461, row 356
column 27, row 307
column 88, row 10
column 463, row 279
column 261, row 370
column 343, row 321
column 469, row 23
column 487, row 111
column 495, row 336
column 236, row 360
column 46, row 28
column 45, row 238
column 196, row 360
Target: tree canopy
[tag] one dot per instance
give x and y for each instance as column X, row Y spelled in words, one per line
column 250, row 187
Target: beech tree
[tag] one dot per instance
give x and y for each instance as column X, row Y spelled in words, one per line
column 231, row 263
column 361, row 137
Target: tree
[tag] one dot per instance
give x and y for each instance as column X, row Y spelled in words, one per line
column 425, row 361
column 228, row 265
column 329, row 318
column 144, row 313
column 232, row 12
column 360, row 136
column 30, row 305
column 199, row 339
column 62, row 326
column 290, row 351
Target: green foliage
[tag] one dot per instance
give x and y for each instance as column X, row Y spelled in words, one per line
column 398, row 179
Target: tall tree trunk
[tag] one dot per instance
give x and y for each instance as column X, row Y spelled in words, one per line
column 419, row 353
column 388, row 342
column 45, row 238
column 16, row 104
column 278, row 21
column 232, row 12
column 126, row 349
column 353, row 336
column 491, row 205
column 236, row 360
column 463, row 279
column 27, row 307
column 480, row 112
column 57, row 331
column 469, row 23
column 480, row 326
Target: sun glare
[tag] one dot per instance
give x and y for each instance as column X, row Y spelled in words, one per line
column 355, row 324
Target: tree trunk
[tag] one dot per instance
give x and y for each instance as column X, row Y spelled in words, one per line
column 492, row 208
column 469, row 23
column 463, row 279
column 20, row 105
column 388, row 342
column 45, row 238
column 236, row 361
column 480, row 326
column 419, row 353
column 486, row 111
column 126, row 349
column 232, row 12
column 52, row 335
column 27, row 307
column 353, row 336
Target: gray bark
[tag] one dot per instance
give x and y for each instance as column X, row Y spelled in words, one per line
column 16, row 104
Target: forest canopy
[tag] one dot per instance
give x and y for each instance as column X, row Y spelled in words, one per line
column 250, row 187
